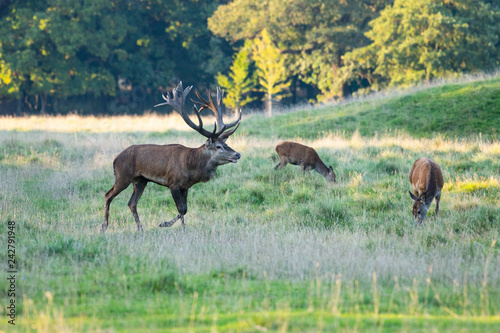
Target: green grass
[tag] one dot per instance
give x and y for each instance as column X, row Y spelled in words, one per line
column 452, row 110
column 264, row 250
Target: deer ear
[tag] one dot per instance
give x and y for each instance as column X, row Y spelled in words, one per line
column 209, row 142
column 413, row 196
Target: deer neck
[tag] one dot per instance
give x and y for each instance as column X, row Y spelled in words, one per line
column 321, row 169
column 201, row 164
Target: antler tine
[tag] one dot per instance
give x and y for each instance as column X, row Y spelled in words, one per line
column 218, row 113
column 177, row 102
column 236, row 123
column 210, row 104
column 174, row 102
column 220, row 95
column 202, row 102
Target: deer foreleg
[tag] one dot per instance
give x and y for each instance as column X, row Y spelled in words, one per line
column 305, row 168
column 180, row 199
column 172, row 221
column 182, row 220
column 437, row 205
column 281, row 164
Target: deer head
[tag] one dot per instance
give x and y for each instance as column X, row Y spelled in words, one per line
column 419, row 207
column 215, row 145
column 331, row 176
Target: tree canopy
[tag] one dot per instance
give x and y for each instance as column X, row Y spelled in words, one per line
column 315, row 33
column 239, row 84
column 426, row 39
column 66, row 48
column 117, row 56
column 271, row 70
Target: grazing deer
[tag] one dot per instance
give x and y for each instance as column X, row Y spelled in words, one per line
column 308, row 159
column 174, row 166
column 427, row 181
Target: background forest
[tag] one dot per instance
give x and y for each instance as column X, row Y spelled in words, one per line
column 264, row 250
column 117, row 57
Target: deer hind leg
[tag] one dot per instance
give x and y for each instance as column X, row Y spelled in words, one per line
column 281, row 164
column 110, row 195
column 139, row 186
column 180, row 199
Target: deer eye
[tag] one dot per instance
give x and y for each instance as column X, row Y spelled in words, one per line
column 219, row 147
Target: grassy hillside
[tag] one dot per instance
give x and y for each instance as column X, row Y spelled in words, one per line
column 451, row 110
column 263, row 250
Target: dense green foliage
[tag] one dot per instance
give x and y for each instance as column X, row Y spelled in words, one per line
column 263, row 250
column 117, row 56
column 270, row 68
column 315, row 34
column 239, row 83
column 426, row 39
column 56, row 49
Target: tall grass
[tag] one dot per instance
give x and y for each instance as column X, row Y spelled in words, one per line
column 263, row 249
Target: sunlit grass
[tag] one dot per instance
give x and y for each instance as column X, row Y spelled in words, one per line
column 152, row 122
column 472, row 185
column 263, row 250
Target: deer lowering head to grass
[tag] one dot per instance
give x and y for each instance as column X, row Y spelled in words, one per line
column 427, row 181
column 308, row 159
column 174, row 166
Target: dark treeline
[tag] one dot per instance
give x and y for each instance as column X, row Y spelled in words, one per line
column 117, row 57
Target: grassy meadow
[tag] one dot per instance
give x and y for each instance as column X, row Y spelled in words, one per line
column 263, row 250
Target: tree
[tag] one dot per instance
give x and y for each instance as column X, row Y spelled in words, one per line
column 271, row 69
column 314, row 34
column 240, row 81
column 425, row 39
column 53, row 48
column 68, row 50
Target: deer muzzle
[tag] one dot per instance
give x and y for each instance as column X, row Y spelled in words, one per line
column 234, row 158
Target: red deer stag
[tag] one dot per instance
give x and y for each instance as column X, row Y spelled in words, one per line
column 427, row 181
column 174, row 166
column 308, row 159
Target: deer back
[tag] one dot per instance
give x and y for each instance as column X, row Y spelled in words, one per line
column 174, row 164
column 297, row 153
column 426, row 178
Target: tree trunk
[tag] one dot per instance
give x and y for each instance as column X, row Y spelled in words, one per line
column 294, row 89
column 269, row 105
column 43, row 101
column 19, row 110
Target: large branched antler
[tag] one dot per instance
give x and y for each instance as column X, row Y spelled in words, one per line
column 210, row 104
column 178, row 101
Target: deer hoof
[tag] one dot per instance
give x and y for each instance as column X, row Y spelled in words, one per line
column 166, row 224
